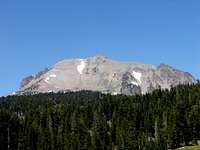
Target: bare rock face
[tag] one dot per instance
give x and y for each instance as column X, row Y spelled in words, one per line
column 26, row 81
column 99, row 73
column 127, row 85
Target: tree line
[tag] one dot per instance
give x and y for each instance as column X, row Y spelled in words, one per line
column 163, row 119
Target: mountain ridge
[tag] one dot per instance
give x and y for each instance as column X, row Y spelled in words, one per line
column 105, row 75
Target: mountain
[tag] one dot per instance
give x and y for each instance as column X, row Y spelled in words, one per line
column 99, row 73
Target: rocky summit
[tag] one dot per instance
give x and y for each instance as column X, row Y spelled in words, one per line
column 99, row 73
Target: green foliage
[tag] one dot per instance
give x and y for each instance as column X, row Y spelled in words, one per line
column 94, row 121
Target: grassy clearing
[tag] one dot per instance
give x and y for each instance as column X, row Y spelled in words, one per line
column 189, row 148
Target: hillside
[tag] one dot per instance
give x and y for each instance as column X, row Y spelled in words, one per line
column 105, row 75
column 91, row 120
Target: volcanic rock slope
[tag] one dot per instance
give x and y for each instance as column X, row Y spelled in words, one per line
column 99, row 73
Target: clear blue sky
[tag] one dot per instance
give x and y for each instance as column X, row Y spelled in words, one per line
column 36, row 34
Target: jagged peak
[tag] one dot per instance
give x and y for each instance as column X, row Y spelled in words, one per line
column 100, row 56
column 162, row 65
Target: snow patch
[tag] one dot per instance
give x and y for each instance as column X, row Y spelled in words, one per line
column 50, row 76
column 53, row 75
column 134, row 83
column 81, row 66
column 114, row 93
column 47, row 79
column 137, row 75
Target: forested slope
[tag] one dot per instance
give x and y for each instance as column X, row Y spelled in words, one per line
column 91, row 120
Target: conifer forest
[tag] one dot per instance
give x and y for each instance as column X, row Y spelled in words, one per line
column 85, row 120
